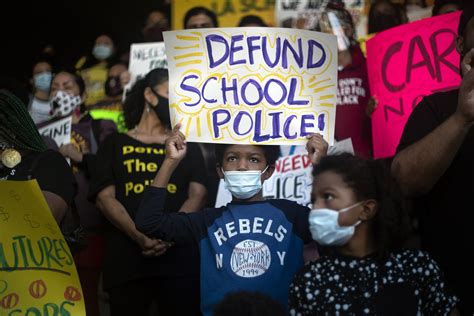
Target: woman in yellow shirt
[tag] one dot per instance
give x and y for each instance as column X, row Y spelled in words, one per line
column 94, row 66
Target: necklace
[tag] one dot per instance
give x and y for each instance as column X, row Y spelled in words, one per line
column 135, row 132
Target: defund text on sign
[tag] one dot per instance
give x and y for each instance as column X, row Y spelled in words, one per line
column 253, row 85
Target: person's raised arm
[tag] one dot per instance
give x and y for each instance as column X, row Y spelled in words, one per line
column 175, row 152
column 419, row 166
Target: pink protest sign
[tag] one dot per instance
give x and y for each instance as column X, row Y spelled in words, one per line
column 405, row 64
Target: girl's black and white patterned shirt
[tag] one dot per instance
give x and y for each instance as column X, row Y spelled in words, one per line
column 406, row 283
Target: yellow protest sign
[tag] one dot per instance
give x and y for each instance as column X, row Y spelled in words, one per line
column 229, row 12
column 37, row 272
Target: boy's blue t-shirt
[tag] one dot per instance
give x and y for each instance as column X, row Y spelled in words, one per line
column 255, row 246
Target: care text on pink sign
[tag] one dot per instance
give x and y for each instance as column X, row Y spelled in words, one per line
column 405, row 64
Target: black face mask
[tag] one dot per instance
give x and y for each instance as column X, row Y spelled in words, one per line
column 113, row 87
column 162, row 110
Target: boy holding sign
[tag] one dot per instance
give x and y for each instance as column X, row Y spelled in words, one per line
column 250, row 244
column 244, row 87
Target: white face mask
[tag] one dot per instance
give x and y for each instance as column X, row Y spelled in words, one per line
column 243, row 184
column 63, row 103
column 101, row 51
column 325, row 228
column 42, row 80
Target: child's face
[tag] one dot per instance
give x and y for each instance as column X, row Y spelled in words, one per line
column 330, row 191
column 244, row 158
column 247, row 163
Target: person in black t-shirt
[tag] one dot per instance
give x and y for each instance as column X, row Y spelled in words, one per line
column 24, row 156
column 435, row 165
column 139, row 270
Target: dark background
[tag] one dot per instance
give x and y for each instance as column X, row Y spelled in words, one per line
column 71, row 26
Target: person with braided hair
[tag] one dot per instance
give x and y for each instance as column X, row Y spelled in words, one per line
column 25, row 156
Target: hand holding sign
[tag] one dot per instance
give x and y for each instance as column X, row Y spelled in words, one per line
column 371, row 105
column 465, row 110
column 405, row 64
column 176, row 145
column 58, row 129
column 317, row 148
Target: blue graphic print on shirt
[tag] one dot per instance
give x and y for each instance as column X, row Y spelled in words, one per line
column 249, row 247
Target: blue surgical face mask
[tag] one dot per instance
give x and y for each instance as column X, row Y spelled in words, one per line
column 102, row 52
column 325, row 228
column 243, row 184
column 42, row 81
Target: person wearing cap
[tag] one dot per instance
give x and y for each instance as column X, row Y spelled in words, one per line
column 434, row 165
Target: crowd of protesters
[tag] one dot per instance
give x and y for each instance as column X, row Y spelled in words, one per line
column 145, row 197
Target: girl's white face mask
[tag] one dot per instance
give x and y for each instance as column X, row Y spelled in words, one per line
column 243, row 184
column 325, row 228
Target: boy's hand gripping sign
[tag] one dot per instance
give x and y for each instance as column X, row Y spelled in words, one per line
column 252, row 85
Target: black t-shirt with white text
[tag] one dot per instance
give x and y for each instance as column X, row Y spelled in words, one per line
column 130, row 166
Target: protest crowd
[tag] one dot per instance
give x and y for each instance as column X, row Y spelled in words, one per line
column 311, row 160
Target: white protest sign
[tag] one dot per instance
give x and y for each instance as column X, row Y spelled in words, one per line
column 59, row 130
column 143, row 58
column 305, row 13
column 252, row 85
column 286, row 11
column 298, row 13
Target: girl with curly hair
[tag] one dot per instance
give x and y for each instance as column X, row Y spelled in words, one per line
column 360, row 216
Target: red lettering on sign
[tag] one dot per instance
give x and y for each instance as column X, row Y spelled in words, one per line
column 286, row 165
column 10, row 301
column 306, row 161
column 296, row 162
column 72, row 294
column 37, row 289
